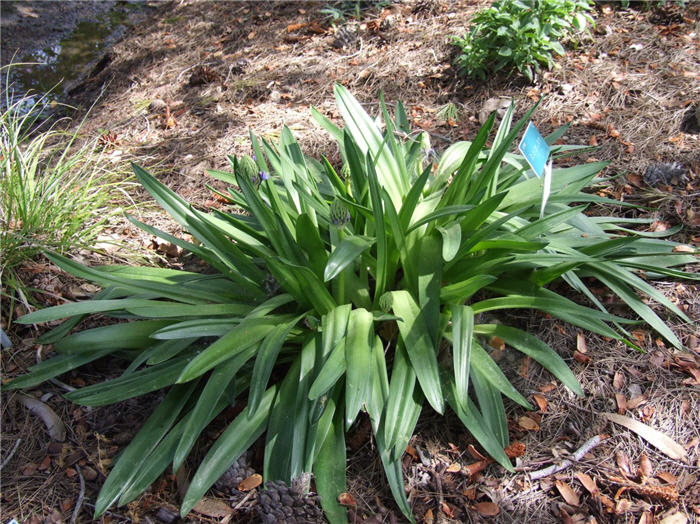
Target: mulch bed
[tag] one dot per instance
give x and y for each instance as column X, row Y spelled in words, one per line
column 182, row 91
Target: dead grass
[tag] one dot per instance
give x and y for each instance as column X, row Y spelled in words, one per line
column 628, row 88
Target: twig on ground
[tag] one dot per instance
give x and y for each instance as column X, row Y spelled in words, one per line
column 243, row 501
column 54, row 425
column 81, row 496
column 578, row 455
column 10, row 454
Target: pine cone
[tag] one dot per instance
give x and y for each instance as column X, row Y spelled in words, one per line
column 233, row 476
column 665, row 174
column 283, row 504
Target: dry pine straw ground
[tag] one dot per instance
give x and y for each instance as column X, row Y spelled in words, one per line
column 181, row 92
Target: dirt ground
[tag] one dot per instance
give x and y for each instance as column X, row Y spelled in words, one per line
column 182, row 90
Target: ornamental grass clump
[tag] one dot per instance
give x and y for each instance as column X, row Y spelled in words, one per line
column 55, row 194
column 335, row 293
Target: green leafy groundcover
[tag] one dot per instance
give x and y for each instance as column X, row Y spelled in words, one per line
column 315, row 268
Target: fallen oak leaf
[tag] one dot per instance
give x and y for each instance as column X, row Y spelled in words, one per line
column 654, row 437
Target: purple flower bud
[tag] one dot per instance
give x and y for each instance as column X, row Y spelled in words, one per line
column 254, row 157
column 264, row 175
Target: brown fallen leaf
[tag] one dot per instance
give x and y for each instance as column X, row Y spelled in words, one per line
column 637, row 401
column 546, row 388
column 581, row 357
column 621, row 403
column 541, row 402
column 682, row 248
column 497, row 343
column 528, row 424
column 645, row 469
column 668, row 478
column 475, row 453
column 654, row 437
column 346, row 499
column 213, row 508
column 588, row 483
column 251, row 482
column 618, row 380
column 29, row 469
column 515, row 449
column 412, row 451
column 45, row 464
column 475, row 467
column 428, row 518
column 623, row 463
column 569, row 495
column 66, row 505
column 487, row 509
column 581, row 342
column 295, row 27
column 453, row 468
column 447, row 510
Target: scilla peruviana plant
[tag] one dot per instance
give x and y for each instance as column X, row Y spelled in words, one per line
column 336, row 294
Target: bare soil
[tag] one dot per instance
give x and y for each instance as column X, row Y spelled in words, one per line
column 183, row 89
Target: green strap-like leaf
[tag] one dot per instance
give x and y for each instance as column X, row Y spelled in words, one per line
column 134, row 335
column 237, row 438
column 265, row 361
column 349, row 250
column 203, row 410
column 329, row 471
column 419, row 346
column 160, row 458
column 491, row 404
column 54, row 367
column 451, row 239
column 308, row 238
column 245, row 335
column 358, row 362
column 534, row 348
column 132, row 385
column 473, row 421
column 127, row 465
column 204, row 327
column 462, row 291
column 462, row 336
column 332, row 370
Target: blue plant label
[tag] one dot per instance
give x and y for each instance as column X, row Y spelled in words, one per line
column 534, row 149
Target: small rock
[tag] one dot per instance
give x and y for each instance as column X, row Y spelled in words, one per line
column 88, row 473
column 499, row 104
column 166, row 515
column 275, row 96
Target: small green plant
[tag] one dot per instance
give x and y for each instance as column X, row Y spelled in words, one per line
column 339, row 11
column 449, row 113
column 520, row 34
column 54, row 194
column 363, row 289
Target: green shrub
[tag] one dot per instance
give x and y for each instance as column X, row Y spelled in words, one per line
column 521, row 34
column 54, row 194
column 339, row 294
